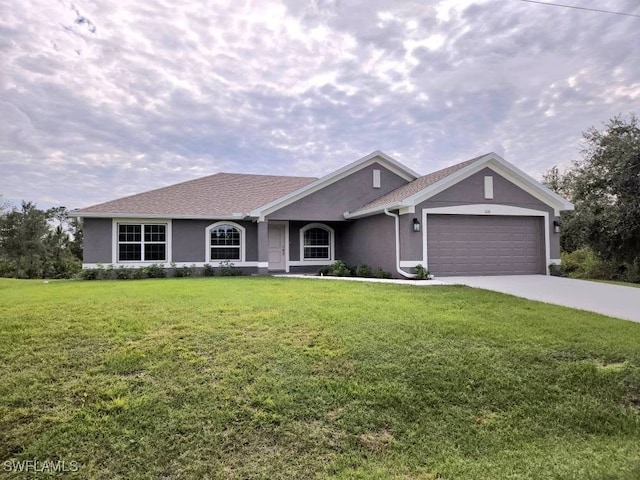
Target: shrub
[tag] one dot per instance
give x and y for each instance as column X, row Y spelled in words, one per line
column 183, row 271
column 322, row 271
column 208, row 271
column 154, row 271
column 585, row 263
column 88, row 274
column 363, row 271
column 380, row 273
column 632, row 272
column 124, row 273
column 339, row 269
column 227, row 269
column 556, row 270
column 105, row 273
column 421, row 273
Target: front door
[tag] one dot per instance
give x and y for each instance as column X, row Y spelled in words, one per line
column 277, row 246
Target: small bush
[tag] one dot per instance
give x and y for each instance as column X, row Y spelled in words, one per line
column 154, row 271
column 556, row 270
column 380, row 273
column 209, row 271
column 227, row 269
column 323, row 271
column 124, row 273
column 632, row 272
column 138, row 273
column 88, row 274
column 183, row 271
column 421, row 273
column 363, row 271
column 106, row 273
column 339, row 269
column 585, row 263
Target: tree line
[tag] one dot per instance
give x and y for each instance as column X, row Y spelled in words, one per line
column 37, row 243
column 601, row 237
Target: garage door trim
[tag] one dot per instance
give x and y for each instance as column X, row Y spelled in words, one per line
column 485, row 209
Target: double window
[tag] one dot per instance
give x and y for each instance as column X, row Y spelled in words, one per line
column 142, row 242
column 317, row 242
column 225, row 241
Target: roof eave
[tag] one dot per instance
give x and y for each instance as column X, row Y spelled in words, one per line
column 233, row 216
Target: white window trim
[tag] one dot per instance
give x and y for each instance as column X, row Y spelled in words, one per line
column 485, row 209
column 243, row 242
column 139, row 221
column 317, row 261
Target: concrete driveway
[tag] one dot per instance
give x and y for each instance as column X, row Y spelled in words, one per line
column 612, row 300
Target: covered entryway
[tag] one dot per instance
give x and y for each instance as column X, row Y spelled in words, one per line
column 485, row 244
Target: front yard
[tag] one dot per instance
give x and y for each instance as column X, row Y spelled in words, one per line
column 284, row 378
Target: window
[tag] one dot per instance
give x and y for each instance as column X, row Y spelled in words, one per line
column 225, row 241
column 317, row 242
column 142, row 242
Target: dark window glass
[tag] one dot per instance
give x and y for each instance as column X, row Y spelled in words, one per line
column 154, row 252
column 316, row 252
column 129, row 252
column 225, row 253
column 316, row 236
column 130, row 233
column 225, row 235
column 155, row 233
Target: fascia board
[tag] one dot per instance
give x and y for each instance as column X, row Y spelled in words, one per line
column 373, row 211
column 77, row 214
column 388, row 162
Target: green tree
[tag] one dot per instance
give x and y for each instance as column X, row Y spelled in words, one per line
column 38, row 244
column 605, row 188
column 22, row 235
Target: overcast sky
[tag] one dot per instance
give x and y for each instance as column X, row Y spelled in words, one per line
column 103, row 99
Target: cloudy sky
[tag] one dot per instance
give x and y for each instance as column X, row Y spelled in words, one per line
column 112, row 97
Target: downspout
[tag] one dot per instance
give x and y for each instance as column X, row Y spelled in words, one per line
column 397, row 222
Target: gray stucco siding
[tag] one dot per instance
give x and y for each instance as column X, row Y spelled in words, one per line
column 189, row 240
column 347, row 194
column 97, row 240
column 370, row 241
column 468, row 192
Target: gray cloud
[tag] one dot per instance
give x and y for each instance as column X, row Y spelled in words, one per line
column 143, row 94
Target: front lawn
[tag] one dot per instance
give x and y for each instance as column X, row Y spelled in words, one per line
column 276, row 378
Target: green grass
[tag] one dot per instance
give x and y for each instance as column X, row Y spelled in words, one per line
column 269, row 378
column 617, row 282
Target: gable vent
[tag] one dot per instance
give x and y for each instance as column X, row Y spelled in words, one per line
column 376, row 179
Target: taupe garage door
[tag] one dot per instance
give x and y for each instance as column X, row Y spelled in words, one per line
column 485, row 245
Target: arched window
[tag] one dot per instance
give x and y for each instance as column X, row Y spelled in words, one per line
column 225, row 241
column 316, row 241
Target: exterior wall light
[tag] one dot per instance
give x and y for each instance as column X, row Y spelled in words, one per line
column 416, row 225
column 556, row 226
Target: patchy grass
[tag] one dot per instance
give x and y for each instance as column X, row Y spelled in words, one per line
column 284, row 378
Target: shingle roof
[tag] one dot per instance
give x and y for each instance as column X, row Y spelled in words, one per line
column 222, row 194
column 414, row 187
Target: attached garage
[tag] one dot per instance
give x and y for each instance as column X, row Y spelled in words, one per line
column 485, row 244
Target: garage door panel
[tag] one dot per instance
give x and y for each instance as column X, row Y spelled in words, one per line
column 485, row 245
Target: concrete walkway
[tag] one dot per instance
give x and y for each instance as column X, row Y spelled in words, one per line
column 612, row 300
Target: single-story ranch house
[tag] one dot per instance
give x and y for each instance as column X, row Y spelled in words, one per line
column 479, row 217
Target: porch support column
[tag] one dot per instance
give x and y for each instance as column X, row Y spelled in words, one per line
column 263, row 247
